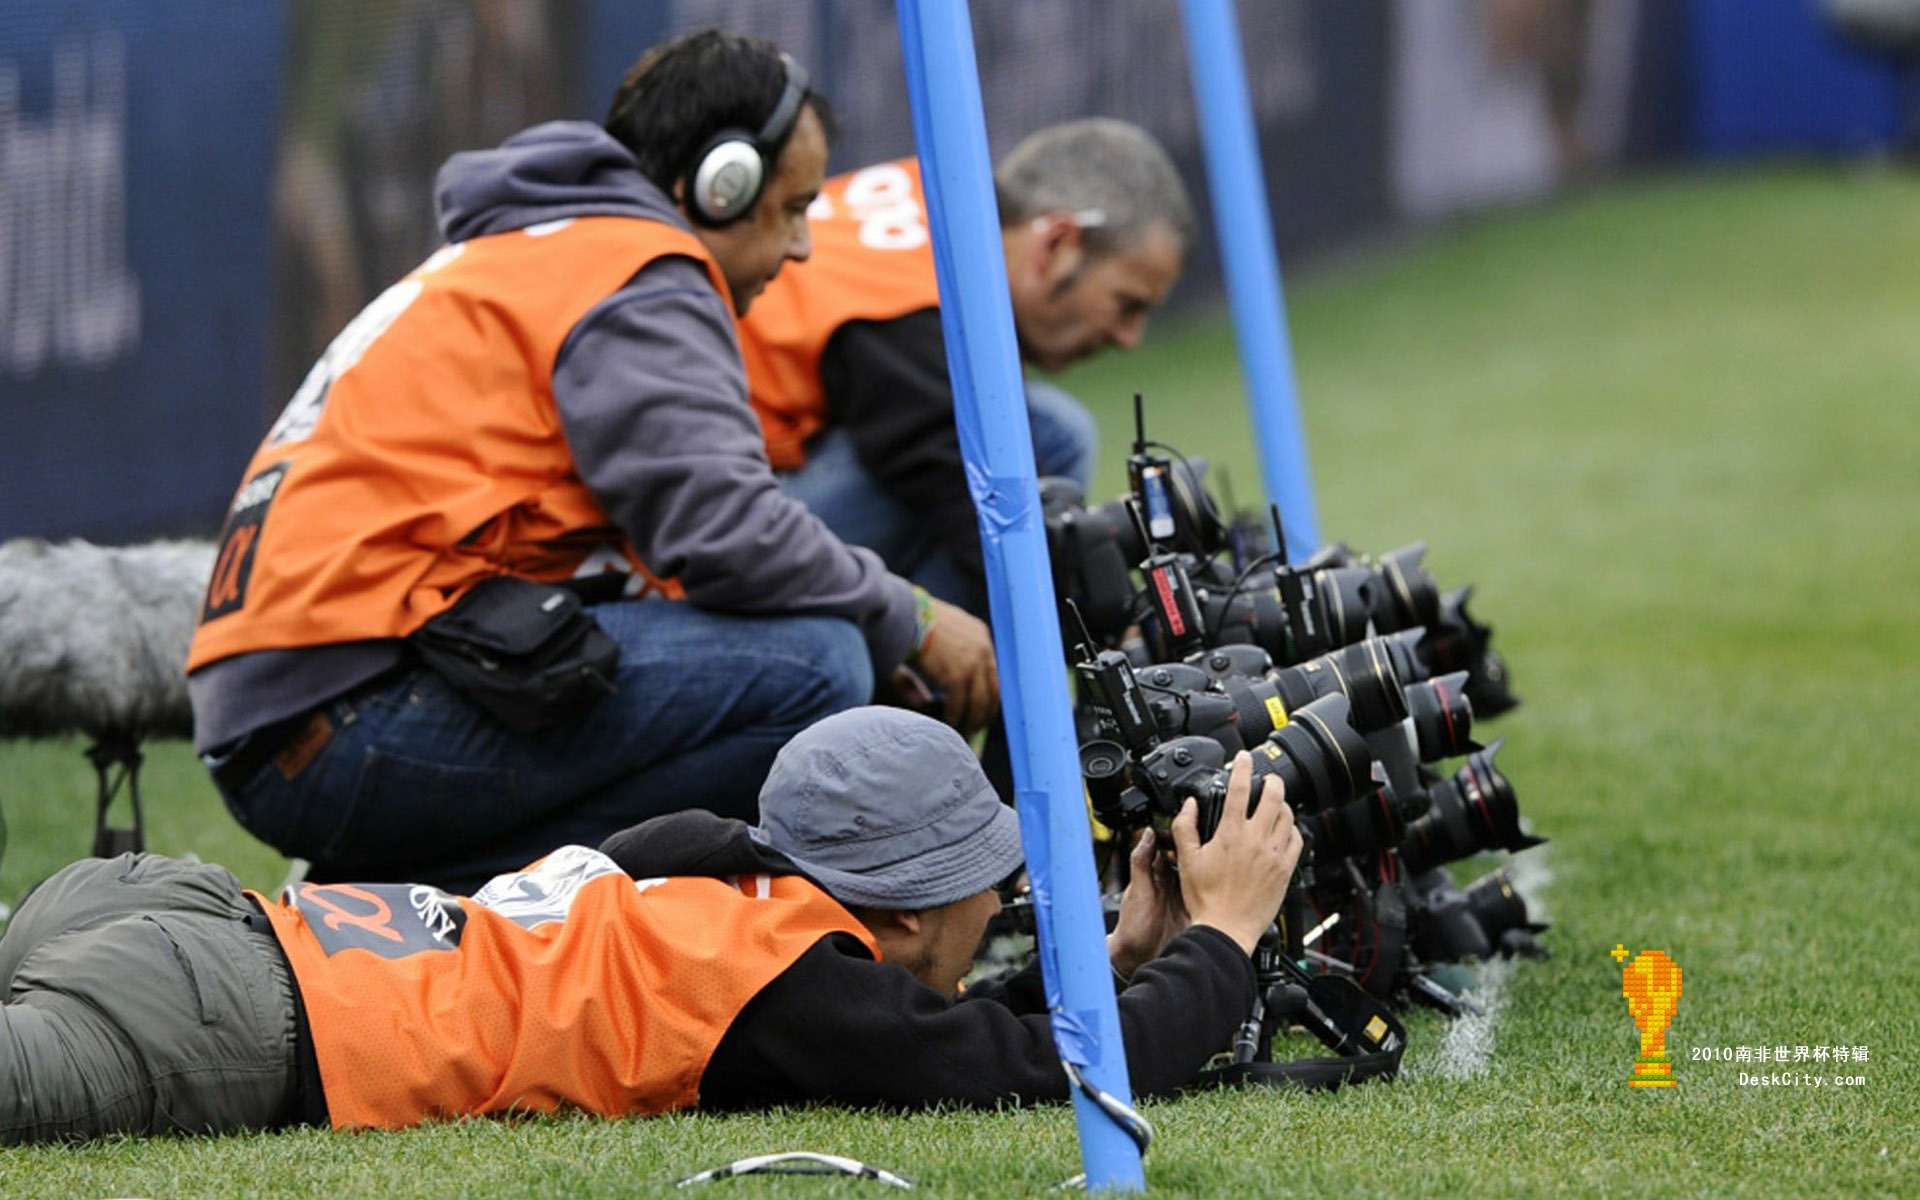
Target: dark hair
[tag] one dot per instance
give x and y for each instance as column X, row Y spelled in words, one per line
column 682, row 92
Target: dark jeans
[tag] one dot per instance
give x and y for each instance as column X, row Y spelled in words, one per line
column 416, row 784
column 839, row 490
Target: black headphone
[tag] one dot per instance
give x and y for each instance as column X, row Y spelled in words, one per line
column 733, row 168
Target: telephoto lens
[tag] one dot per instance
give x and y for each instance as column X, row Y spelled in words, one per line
column 1318, row 755
column 1442, row 717
column 1457, row 642
column 1475, row 810
column 1362, row 673
column 1445, row 929
column 1502, row 913
column 1225, row 693
column 1488, row 918
column 1342, row 599
column 1364, row 828
column 1406, row 594
column 1402, row 648
column 1244, row 615
column 1401, row 593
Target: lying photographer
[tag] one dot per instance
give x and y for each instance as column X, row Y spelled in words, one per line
column 815, row 957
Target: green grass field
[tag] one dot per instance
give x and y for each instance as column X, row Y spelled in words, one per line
column 1670, row 431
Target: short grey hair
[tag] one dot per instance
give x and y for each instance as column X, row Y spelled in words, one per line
column 1097, row 164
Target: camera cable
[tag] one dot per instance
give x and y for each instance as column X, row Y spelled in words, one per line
column 797, row 1162
column 1119, row 1111
column 1239, row 584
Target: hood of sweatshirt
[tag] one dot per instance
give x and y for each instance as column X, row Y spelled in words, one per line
column 550, row 172
column 695, row 843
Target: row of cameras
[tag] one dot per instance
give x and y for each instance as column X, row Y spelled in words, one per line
column 1347, row 678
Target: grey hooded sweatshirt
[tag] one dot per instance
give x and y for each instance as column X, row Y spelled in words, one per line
column 652, row 397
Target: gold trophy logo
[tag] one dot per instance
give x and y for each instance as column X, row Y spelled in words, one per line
column 1652, row 989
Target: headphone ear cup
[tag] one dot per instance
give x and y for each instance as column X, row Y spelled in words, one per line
column 726, row 180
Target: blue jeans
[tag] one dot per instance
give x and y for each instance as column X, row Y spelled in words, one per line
column 839, row 490
column 417, row 784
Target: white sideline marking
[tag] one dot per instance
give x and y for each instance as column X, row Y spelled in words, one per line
column 1469, row 1040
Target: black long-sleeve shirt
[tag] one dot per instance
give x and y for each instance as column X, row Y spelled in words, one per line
column 838, row 1027
column 887, row 386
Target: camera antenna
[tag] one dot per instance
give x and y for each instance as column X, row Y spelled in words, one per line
column 1087, row 642
column 1279, row 536
column 1139, row 519
column 1139, row 424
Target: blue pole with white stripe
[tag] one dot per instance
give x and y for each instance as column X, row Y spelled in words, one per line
column 943, row 82
column 1243, row 227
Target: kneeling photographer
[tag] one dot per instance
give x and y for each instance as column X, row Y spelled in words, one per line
column 390, row 677
column 690, row 961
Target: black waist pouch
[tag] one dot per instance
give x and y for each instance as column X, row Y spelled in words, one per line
column 527, row 652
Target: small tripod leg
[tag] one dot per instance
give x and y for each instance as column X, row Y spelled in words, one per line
column 116, row 760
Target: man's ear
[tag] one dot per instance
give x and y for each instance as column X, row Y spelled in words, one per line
column 1059, row 247
column 884, row 921
column 910, row 923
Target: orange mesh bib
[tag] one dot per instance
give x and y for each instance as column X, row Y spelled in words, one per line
column 872, row 261
column 424, row 451
column 568, row 985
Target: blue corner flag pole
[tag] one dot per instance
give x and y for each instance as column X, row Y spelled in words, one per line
column 990, row 409
column 1244, row 228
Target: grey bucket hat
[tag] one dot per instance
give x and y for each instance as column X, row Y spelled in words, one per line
column 886, row 808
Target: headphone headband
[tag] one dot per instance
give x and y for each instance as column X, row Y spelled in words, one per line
column 779, row 123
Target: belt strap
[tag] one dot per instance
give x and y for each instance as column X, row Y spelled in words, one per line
column 306, row 1099
column 248, row 758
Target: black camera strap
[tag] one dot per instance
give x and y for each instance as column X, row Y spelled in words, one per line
column 1327, row 1074
column 1368, row 1040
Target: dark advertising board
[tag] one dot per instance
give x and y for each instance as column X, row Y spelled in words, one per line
column 133, row 258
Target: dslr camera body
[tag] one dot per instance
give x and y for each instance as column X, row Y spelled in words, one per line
column 1349, row 679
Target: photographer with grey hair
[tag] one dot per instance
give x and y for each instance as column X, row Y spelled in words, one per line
column 847, row 364
column 690, row 961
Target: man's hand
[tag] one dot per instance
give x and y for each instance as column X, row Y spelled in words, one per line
column 1151, row 910
column 958, row 660
column 906, row 689
column 1236, row 881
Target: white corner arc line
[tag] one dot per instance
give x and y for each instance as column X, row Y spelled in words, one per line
column 1468, row 1045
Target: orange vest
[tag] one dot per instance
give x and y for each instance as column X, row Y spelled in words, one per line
column 424, row 451
column 567, row 985
column 872, row 261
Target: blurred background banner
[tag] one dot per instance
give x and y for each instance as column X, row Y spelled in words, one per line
column 377, row 94
column 136, row 155
column 196, row 195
